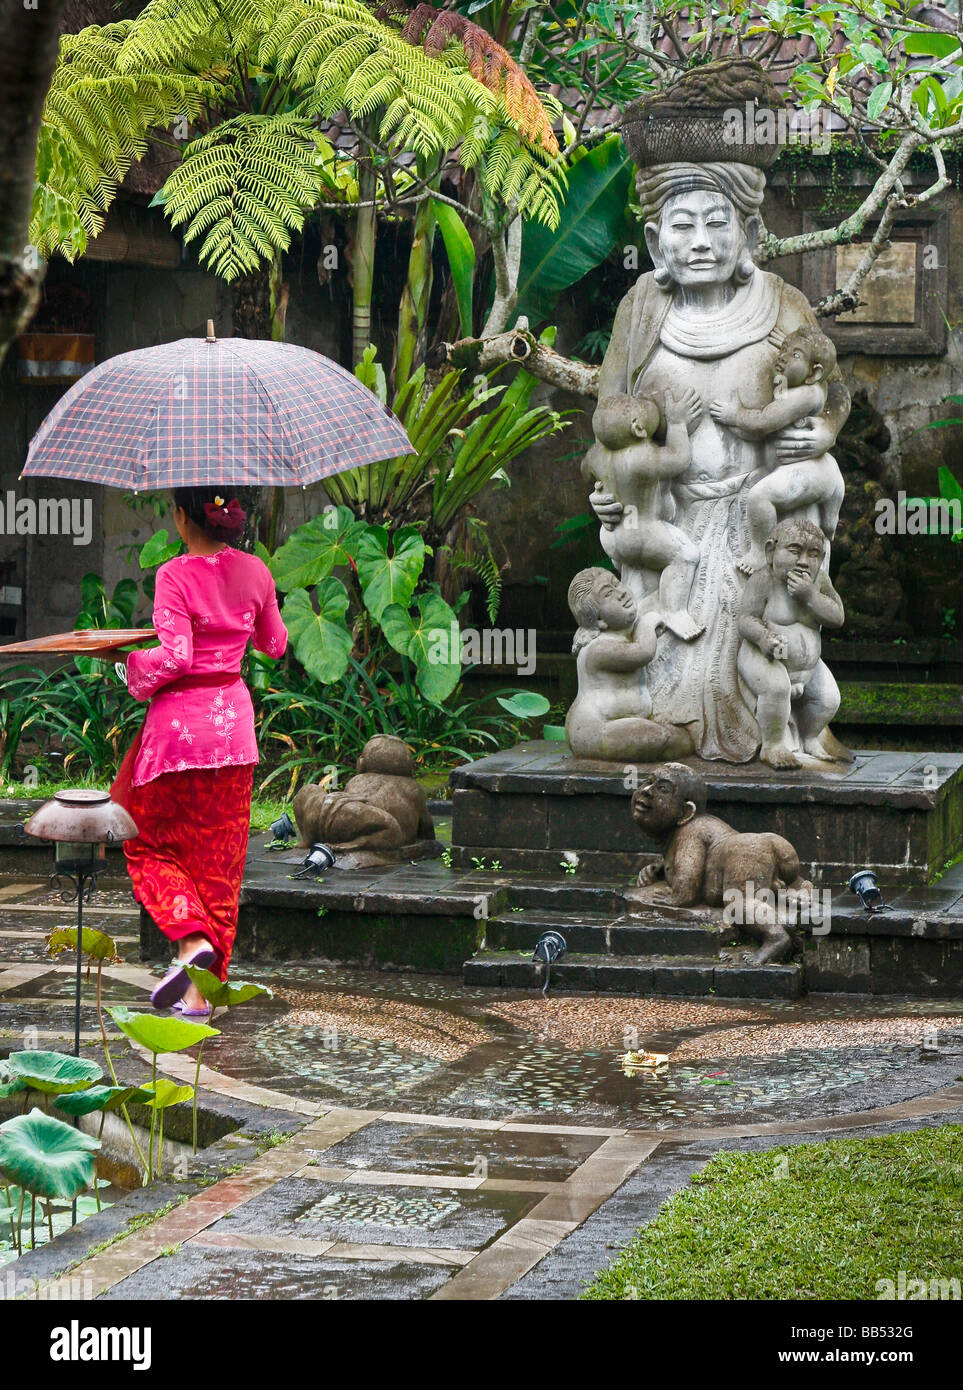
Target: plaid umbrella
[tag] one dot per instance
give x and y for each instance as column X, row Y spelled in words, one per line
column 236, row 411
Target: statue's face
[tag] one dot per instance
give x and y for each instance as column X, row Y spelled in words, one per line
column 700, row 238
column 796, row 551
column 794, row 363
column 616, row 605
column 658, row 804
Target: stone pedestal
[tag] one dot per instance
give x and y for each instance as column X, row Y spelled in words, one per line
column 528, row 808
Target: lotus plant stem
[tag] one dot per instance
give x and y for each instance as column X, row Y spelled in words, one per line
column 153, row 1118
column 160, row 1144
column 23, row 1198
column 197, row 1079
column 33, row 1222
column 50, row 1224
column 6, row 1188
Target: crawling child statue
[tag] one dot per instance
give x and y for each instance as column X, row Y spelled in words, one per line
column 704, row 860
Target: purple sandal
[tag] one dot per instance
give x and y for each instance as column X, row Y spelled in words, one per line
column 176, row 982
column 181, row 1008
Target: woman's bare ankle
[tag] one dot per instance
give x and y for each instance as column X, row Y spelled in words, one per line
column 189, row 944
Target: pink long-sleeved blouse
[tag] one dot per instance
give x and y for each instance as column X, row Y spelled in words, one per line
column 206, row 609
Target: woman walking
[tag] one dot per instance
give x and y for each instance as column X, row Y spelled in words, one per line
column 187, row 778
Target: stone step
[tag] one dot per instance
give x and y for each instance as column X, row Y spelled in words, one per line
column 692, row 976
column 553, row 892
column 599, row 933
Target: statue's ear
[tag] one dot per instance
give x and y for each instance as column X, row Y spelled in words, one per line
column 753, row 227
column 652, row 242
column 817, row 372
column 690, row 810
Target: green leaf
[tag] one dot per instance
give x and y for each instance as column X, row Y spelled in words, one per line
column 592, row 224
column 158, row 550
column 321, row 641
column 385, row 578
column 932, row 45
column 164, row 1093
column 525, row 704
column 370, row 373
column 312, row 551
column 100, row 1098
column 461, row 260
column 95, row 944
column 45, row 1156
column 429, row 638
column 12, row 1087
column 222, row 993
column 878, row 100
column 159, row 1034
column 949, row 487
column 53, row 1072
column 554, row 732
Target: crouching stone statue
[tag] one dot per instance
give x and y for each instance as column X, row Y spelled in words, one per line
column 380, row 810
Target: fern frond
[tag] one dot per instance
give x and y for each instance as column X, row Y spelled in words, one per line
column 245, row 187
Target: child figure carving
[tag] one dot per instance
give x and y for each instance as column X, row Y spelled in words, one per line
column 783, row 608
column 610, row 717
column 626, row 460
column 805, row 360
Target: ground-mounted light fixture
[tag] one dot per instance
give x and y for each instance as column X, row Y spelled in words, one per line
column 81, row 823
column 864, row 885
column 283, row 828
column 316, row 861
column 550, row 947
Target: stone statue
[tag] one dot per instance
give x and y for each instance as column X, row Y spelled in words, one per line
column 783, row 608
column 625, row 460
column 707, row 323
column 704, row 861
column 610, row 716
column 799, row 390
column 380, row 810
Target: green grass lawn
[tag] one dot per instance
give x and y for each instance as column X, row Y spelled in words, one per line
column 806, row 1221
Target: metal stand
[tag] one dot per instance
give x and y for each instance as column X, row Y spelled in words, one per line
column 83, row 882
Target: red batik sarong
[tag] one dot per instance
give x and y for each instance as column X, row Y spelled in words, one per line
column 187, row 861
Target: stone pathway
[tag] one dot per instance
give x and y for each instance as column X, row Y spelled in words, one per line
column 450, row 1143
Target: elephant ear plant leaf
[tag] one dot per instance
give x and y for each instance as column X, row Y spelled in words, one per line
column 46, row 1158
column 159, row 1035
column 54, row 1073
column 163, row 1094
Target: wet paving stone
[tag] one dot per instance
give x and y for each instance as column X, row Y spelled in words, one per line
column 391, row 1147
column 434, row 1218
column 198, row 1272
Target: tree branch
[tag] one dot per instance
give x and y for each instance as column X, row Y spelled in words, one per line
column 518, row 346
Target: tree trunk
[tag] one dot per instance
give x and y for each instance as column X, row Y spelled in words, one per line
column 260, row 305
column 416, row 296
column 29, row 38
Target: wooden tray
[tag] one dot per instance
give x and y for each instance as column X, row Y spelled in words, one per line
column 78, row 643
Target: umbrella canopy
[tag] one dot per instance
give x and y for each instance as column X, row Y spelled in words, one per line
column 237, row 411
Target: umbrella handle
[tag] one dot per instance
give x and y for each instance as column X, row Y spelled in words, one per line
column 210, row 331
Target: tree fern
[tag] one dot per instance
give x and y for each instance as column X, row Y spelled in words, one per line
column 244, row 187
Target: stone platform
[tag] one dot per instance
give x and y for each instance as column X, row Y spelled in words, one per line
column 899, row 813
column 483, row 925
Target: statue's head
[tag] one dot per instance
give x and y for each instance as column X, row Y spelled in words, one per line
column 807, row 356
column 795, row 545
column 701, row 222
column 618, row 420
column 388, row 755
column 668, row 796
column 599, row 602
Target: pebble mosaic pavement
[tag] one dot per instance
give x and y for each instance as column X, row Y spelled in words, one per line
column 453, row 1136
